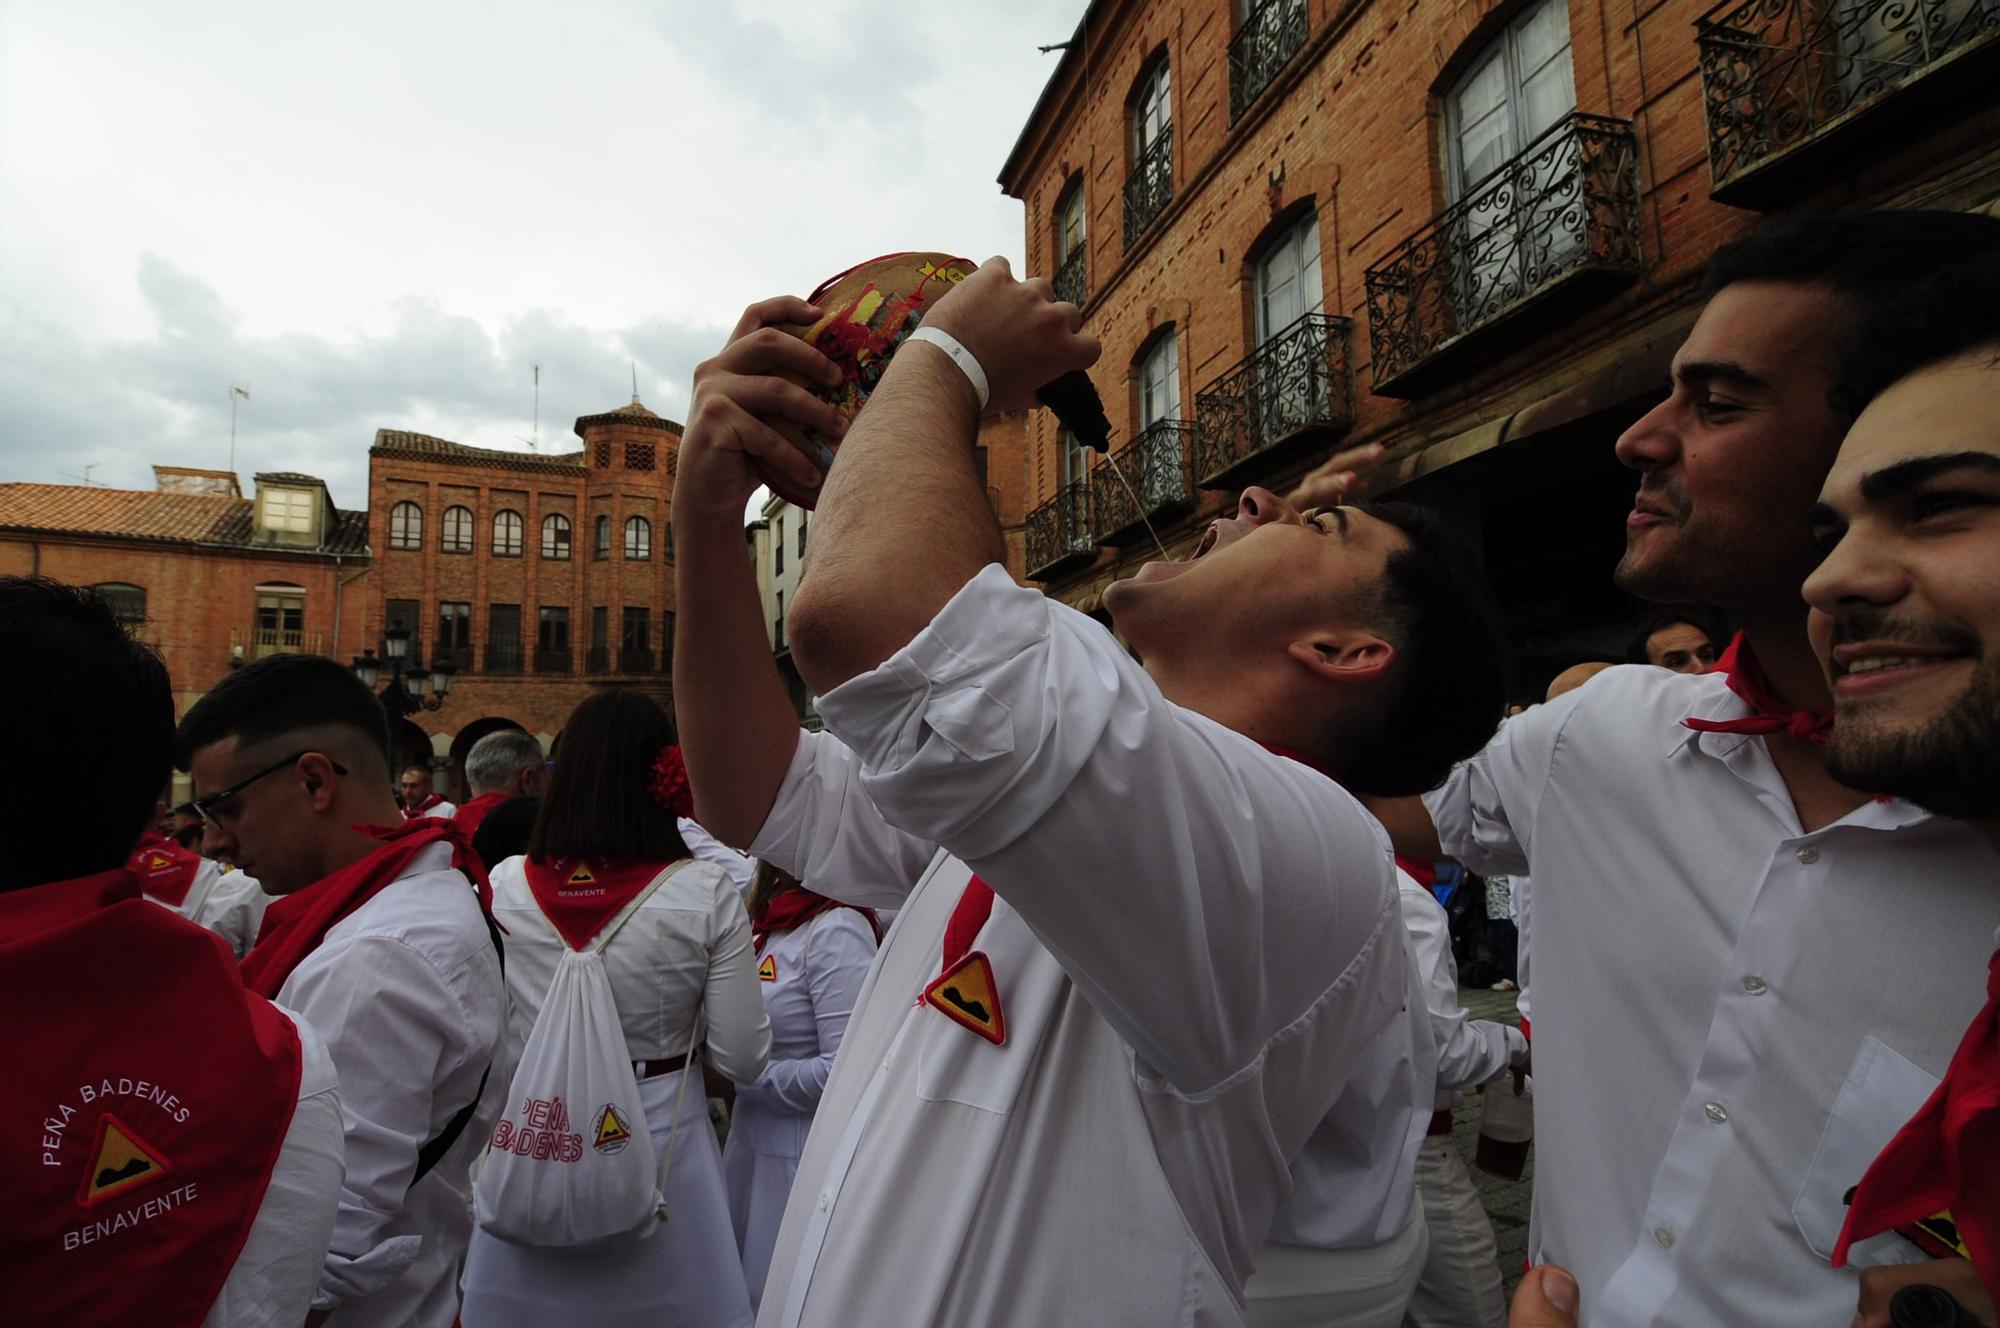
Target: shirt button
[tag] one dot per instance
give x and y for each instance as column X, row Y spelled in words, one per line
column 1755, row 985
column 825, row 1201
column 1665, row 1236
column 1716, row 1112
column 1808, row 855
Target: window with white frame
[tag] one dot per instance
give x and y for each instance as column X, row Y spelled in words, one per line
column 457, row 536
column 1160, row 381
column 289, row 510
column 1288, row 278
column 638, row 537
column 506, row 534
column 406, row 526
column 555, row 537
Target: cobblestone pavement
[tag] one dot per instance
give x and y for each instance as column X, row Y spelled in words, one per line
column 1506, row 1201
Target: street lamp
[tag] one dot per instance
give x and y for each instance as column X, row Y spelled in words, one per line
column 404, row 695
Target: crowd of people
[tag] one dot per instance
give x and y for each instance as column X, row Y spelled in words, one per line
column 1164, row 1027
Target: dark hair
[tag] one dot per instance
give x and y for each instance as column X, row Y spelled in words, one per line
column 1704, row 620
column 1939, row 318
column 280, row 695
column 1452, row 663
column 600, row 803
column 506, row 830
column 1871, row 260
column 84, row 698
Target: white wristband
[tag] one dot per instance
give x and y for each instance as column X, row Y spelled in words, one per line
column 967, row 362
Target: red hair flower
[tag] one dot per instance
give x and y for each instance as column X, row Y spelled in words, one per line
column 669, row 783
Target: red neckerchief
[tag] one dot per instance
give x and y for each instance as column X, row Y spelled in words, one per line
column 965, row 989
column 150, row 1106
column 794, row 908
column 580, row 896
column 1947, row 1156
column 295, row 924
column 424, row 806
column 475, row 810
column 166, row 871
column 1746, row 679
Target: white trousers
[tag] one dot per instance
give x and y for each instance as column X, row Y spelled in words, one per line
column 1296, row 1286
column 1460, row 1286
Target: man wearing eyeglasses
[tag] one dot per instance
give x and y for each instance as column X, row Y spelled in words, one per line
column 381, row 940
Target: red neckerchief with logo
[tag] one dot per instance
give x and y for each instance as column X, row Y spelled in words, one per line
column 1947, row 1156
column 295, row 924
column 580, row 895
column 1746, row 679
column 145, row 1107
column 432, row 801
column 794, row 908
column 166, row 871
column 965, row 989
column 475, row 810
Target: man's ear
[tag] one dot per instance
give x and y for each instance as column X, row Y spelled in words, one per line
column 315, row 771
column 1355, row 657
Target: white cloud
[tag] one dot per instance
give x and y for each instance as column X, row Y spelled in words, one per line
column 383, row 216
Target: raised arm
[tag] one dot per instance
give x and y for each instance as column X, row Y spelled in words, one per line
column 736, row 724
column 904, row 520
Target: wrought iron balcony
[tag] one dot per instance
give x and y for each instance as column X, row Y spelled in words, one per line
column 1150, row 187
column 1060, row 535
column 1271, row 35
column 1562, row 216
column 1069, row 283
column 1286, row 397
column 1159, row 466
column 504, row 657
column 1778, row 75
column 553, row 659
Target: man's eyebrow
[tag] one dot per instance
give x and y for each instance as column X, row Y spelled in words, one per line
column 1881, row 486
column 1339, row 519
column 1824, row 516
column 1696, row 372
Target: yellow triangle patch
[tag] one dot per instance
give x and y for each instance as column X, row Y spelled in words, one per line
column 768, row 970
column 158, row 861
column 581, row 876
column 612, row 1132
column 121, row 1161
column 968, row 995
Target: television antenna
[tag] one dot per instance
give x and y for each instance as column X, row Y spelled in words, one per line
column 236, row 391
column 85, row 477
column 534, row 442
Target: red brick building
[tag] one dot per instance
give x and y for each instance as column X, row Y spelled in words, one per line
column 208, row 577
column 537, row 576
column 1473, row 232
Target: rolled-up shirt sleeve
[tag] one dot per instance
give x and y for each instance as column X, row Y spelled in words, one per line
column 1485, row 809
column 824, row 829
column 1207, row 896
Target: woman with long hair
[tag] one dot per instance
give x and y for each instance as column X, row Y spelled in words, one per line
column 812, row 956
column 604, row 834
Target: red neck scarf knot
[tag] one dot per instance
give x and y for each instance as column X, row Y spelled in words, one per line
column 1746, row 678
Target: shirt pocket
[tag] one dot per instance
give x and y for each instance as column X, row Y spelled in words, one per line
column 955, row 1064
column 1882, row 1091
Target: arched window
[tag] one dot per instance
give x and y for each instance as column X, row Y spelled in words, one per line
column 1288, row 278
column 457, row 536
column 638, row 537
column 555, row 537
column 506, row 534
column 602, row 544
column 1071, row 279
column 1160, row 381
column 126, row 602
column 406, row 526
column 1150, row 185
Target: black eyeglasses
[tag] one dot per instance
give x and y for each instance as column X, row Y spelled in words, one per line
column 205, row 807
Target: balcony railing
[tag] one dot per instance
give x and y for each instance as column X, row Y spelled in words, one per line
column 598, row 659
column 1159, row 466
column 553, row 659
column 1287, row 396
column 635, row 659
column 1060, row 535
column 1566, row 208
column 265, row 641
column 1151, row 186
column 1271, row 35
column 1779, row 74
column 1069, row 283
column 503, row 657
column 459, row 657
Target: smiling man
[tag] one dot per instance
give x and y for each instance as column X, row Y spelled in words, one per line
column 1906, row 619
column 1148, row 938
column 1740, row 989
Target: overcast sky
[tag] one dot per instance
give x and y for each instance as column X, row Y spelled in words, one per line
column 381, row 215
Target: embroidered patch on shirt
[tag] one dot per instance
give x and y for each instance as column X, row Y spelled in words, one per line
column 967, row 993
column 768, row 970
column 121, row 1161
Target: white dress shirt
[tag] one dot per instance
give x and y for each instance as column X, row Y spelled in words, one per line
column 279, row 1266
column 1197, row 947
column 407, row 992
column 686, row 948
column 1469, row 1051
column 228, row 903
column 741, row 867
column 1731, row 1016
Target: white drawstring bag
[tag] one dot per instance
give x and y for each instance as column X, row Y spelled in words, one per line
column 572, row 1163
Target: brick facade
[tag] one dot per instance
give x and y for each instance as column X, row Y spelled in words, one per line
column 1506, row 420
column 623, row 474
